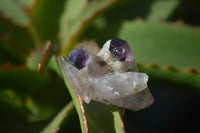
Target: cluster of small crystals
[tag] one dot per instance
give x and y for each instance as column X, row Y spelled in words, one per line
column 118, row 48
column 110, row 76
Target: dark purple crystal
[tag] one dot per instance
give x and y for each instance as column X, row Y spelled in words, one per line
column 78, row 57
column 121, row 49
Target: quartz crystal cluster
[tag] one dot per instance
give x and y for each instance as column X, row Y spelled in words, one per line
column 110, row 76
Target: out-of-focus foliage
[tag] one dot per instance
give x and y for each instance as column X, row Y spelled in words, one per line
column 165, row 38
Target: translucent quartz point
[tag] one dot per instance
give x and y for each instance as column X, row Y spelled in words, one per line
column 76, row 78
column 135, row 102
column 110, row 76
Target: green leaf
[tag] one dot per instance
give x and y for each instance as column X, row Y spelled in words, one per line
column 10, row 98
column 29, row 81
column 45, row 15
column 48, row 52
column 27, row 3
column 163, row 43
column 43, row 95
column 43, row 57
column 14, row 113
column 71, row 35
column 162, row 9
column 17, row 34
column 62, row 116
column 45, row 102
column 19, row 12
column 10, row 9
column 104, row 118
column 186, row 80
column 10, row 54
column 34, row 58
column 5, row 57
column 107, row 26
column 73, row 8
column 96, row 117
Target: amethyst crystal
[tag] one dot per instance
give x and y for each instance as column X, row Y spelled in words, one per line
column 121, row 49
column 78, row 57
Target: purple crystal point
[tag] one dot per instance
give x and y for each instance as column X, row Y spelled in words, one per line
column 121, row 49
column 78, row 57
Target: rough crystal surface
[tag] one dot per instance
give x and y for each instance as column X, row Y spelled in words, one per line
column 121, row 49
column 114, row 86
column 78, row 57
column 105, row 79
column 76, row 78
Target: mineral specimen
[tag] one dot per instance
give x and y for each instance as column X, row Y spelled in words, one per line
column 110, row 76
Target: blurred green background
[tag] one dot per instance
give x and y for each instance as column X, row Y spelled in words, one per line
column 164, row 36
